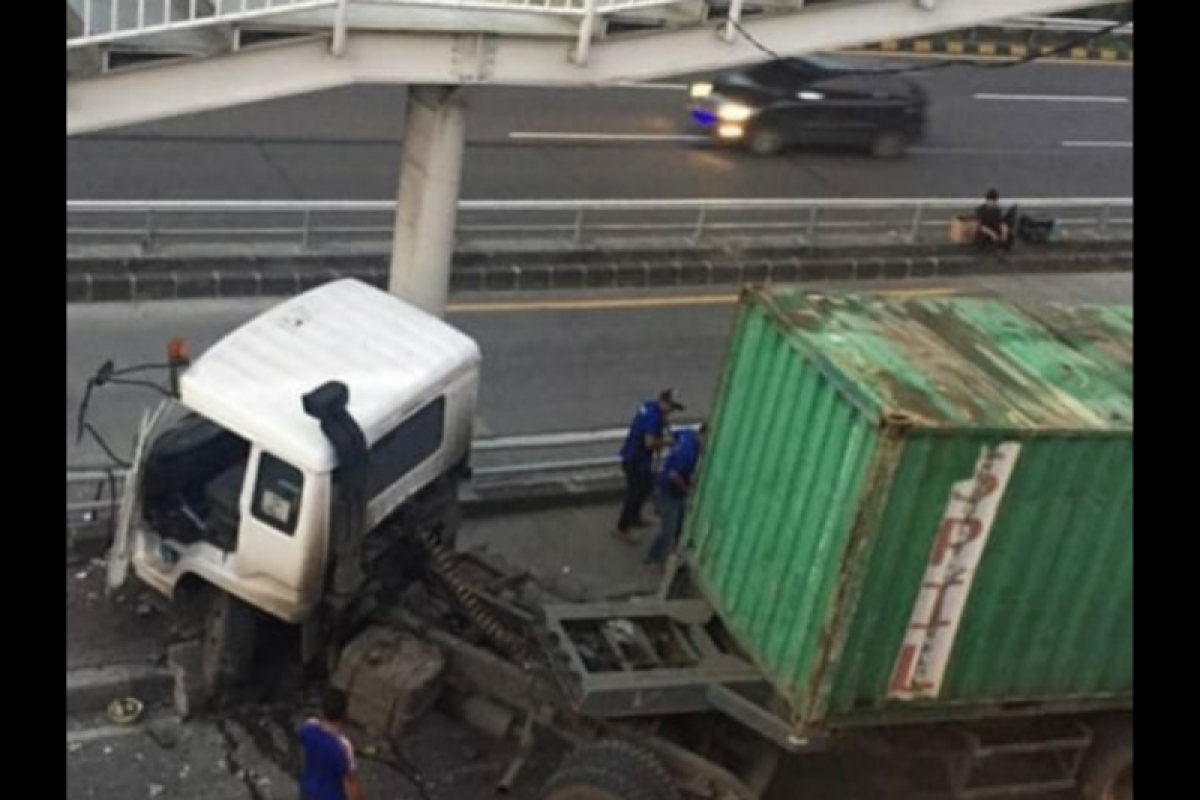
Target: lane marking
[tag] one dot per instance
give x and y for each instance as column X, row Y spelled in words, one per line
column 992, row 152
column 654, row 87
column 547, row 136
column 989, row 152
column 1099, row 145
column 643, row 303
column 1053, row 98
column 651, row 138
column 615, row 304
column 1049, row 60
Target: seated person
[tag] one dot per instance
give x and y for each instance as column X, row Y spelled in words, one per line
column 995, row 227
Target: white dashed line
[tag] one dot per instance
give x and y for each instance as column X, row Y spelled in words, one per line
column 1054, row 98
column 1099, row 145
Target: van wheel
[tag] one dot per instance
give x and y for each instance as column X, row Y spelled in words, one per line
column 1108, row 774
column 889, row 145
column 765, row 141
column 611, row 770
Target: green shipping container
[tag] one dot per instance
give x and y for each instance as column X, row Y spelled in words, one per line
column 922, row 511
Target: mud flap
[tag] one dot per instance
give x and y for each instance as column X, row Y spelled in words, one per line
column 120, row 554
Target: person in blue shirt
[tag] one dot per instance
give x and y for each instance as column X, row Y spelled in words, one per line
column 328, row 768
column 645, row 438
column 675, row 485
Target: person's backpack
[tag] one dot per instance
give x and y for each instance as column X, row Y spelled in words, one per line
column 1037, row 230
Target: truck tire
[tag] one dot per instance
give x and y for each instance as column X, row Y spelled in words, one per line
column 611, row 770
column 230, row 630
column 633, row 760
column 1108, row 774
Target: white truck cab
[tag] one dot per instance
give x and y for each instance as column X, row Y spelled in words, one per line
column 306, row 431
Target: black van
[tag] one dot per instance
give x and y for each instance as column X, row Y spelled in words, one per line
column 812, row 101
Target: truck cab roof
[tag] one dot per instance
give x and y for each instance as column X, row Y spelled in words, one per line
column 392, row 355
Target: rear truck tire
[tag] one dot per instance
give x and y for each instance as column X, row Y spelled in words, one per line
column 611, row 770
column 764, row 141
column 1108, row 773
column 230, row 630
column 889, row 145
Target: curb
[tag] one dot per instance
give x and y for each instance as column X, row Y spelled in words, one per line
column 234, row 278
column 517, row 497
column 90, row 690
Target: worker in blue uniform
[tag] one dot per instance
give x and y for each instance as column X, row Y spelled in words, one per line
column 647, row 435
column 675, row 485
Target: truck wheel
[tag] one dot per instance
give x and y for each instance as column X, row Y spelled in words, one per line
column 1108, row 775
column 889, row 145
column 611, row 770
column 230, row 629
column 765, row 141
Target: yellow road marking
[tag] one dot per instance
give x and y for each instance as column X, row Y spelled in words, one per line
column 915, row 294
column 644, row 303
column 613, row 304
column 1057, row 61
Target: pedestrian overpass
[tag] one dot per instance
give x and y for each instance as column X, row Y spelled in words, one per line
column 136, row 61
column 132, row 61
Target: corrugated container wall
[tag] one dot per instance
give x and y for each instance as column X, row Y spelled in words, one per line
column 924, row 510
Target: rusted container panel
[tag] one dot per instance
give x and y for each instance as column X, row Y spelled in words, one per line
column 924, row 509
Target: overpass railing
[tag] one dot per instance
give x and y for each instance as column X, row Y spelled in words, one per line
column 110, row 21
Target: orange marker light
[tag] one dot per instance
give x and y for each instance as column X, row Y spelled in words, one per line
column 178, row 351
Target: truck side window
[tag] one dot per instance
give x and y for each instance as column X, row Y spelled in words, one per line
column 278, row 490
column 407, row 447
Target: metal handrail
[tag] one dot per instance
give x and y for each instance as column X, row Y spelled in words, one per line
column 96, row 477
column 105, row 21
column 1063, row 25
column 90, row 473
column 149, row 227
column 157, row 16
column 670, row 204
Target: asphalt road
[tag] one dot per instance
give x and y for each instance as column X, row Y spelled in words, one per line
column 550, row 362
column 1036, row 130
column 222, row 761
column 246, row 758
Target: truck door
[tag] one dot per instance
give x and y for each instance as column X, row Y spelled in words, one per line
column 120, row 553
column 279, row 521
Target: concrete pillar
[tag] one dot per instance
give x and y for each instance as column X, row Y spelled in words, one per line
column 430, row 176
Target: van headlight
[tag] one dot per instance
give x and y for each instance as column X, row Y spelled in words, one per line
column 735, row 112
column 700, row 91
